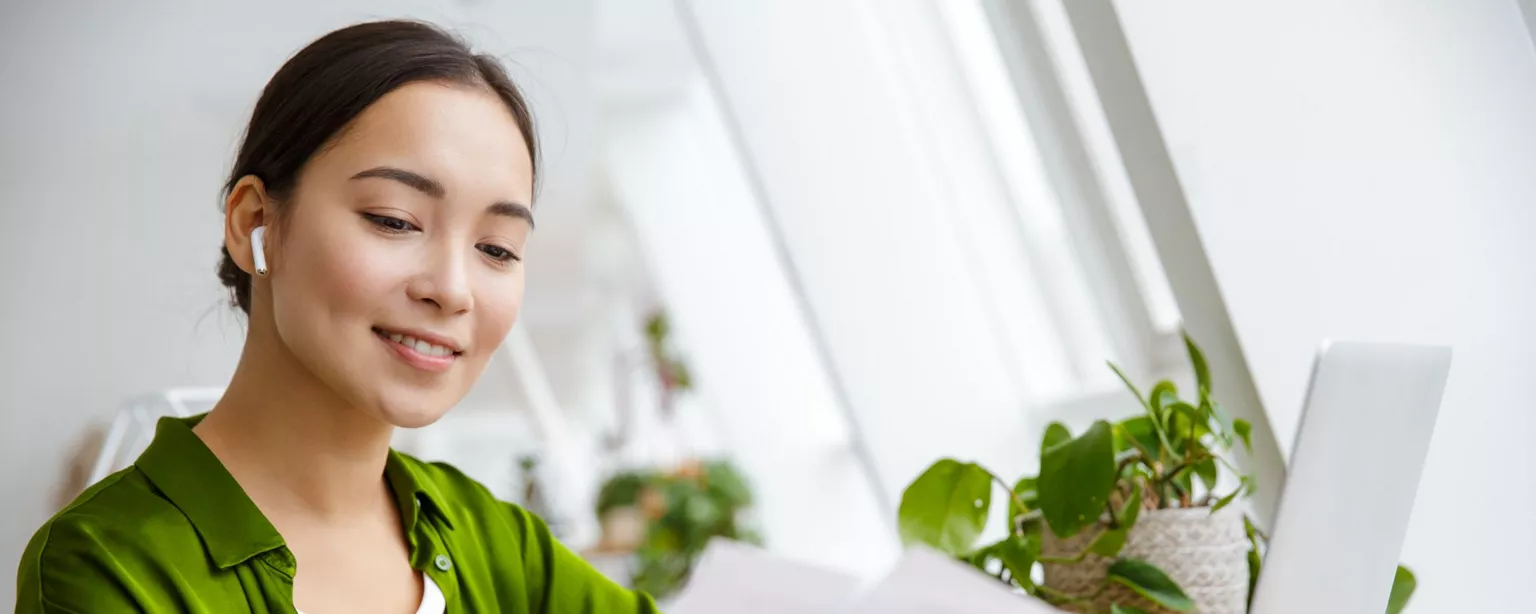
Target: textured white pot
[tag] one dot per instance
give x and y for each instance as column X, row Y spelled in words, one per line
column 1207, row 555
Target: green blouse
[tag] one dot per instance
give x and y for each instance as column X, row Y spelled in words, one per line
column 174, row 532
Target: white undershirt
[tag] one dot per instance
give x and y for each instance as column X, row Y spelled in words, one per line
column 432, row 601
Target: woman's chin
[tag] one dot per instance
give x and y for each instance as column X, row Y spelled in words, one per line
column 413, row 417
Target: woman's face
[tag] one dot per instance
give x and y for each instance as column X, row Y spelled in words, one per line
column 399, row 270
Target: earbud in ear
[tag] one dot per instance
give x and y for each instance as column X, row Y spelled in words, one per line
column 259, row 250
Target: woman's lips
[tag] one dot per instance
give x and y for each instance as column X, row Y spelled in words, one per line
column 414, row 354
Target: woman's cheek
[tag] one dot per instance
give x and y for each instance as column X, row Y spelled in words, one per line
column 355, row 270
column 500, row 303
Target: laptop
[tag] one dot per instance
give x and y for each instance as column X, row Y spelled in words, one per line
column 1354, row 473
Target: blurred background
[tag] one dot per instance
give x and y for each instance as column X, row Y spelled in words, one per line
column 807, row 248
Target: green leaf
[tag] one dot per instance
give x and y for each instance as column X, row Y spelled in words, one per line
column 1255, row 564
column 1244, row 431
column 1226, row 500
column 1109, row 542
column 1207, row 472
column 1019, row 555
column 981, row 556
column 1163, row 395
column 1403, row 585
column 1224, row 419
column 1255, row 556
column 1135, row 391
column 680, row 377
column 1024, row 491
column 1075, row 480
column 1197, row 358
column 946, row 507
column 1137, row 432
column 1182, row 419
column 1185, row 480
column 726, row 483
column 1132, row 508
column 621, row 490
column 1116, row 608
column 1157, row 425
column 1150, row 582
column 1055, row 433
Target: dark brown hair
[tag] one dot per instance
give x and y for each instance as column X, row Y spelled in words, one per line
column 319, row 91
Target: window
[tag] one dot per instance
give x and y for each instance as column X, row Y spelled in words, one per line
column 887, row 232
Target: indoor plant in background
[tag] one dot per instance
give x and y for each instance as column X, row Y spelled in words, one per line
column 1126, row 517
column 664, row 514
column 678, row 512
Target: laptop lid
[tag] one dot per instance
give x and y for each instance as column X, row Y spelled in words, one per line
column 1354, row 473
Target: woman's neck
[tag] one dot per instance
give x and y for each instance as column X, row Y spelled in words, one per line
column 298, row 448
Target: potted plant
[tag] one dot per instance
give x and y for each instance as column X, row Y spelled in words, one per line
column 661, row 517
column 1124, row 518
column 674, row 513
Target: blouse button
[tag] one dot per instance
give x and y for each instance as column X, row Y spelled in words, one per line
column 442, row 562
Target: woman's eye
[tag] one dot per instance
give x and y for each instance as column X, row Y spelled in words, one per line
column 390, row 224
column 498, row 253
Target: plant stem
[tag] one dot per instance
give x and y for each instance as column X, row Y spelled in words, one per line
column 1189, row 448
column 1126, row 462
column 1157, row 423
column 1186, row 464
column 1259, row 532
column 1228, row 463
column 1183, row 496
column 1013, row 527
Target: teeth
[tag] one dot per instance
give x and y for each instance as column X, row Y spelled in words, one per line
column 419, row 345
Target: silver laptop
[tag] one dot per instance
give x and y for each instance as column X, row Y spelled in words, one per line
column 1354, row 472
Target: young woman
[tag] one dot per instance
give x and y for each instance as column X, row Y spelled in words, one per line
column 375, row 229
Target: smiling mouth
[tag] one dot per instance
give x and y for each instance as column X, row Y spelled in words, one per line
column 421, row 347
column 418, row 353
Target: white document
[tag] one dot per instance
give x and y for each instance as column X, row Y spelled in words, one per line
column 736, row 578
column 732, row 578
column 926, row 582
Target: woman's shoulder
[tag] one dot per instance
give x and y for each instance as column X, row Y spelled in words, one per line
column 122, row 505
column 118, row 523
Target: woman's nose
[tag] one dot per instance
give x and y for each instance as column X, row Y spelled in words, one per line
column 443, row 282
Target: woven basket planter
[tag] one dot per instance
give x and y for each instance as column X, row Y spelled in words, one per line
column 1206, row 554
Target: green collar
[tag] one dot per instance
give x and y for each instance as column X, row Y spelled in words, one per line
column 231, row 526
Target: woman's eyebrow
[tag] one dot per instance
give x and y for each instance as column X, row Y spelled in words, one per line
column 426, row 185
column 511, row 209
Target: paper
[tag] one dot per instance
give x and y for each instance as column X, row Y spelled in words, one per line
column 926, row 582
column 734, row 578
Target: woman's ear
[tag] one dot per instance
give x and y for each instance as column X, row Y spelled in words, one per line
column 246, row 209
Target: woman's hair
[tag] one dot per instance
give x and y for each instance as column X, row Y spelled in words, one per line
column 319, row 91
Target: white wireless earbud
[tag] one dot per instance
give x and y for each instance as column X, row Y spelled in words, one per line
column 259, row 250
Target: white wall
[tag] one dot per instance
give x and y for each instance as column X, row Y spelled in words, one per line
column 1365, row 170
column 1528, row 8
column 117, row 124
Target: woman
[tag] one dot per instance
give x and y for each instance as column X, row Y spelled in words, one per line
column 375, row 228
